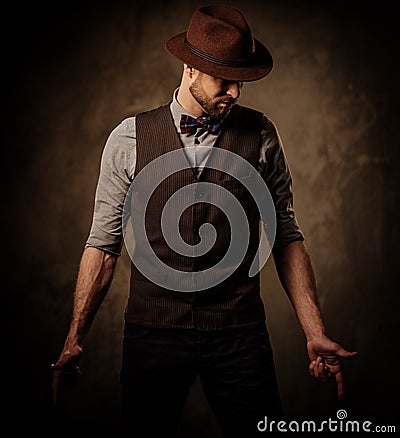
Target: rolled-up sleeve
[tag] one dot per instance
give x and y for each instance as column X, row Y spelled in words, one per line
column 276, row 173
column 116, row 174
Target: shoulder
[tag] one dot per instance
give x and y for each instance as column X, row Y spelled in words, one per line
column 121, row 140
column 242, row 118
column 246, row 111
column 154, row 112
column 268, row 127
column 126, row 128
column 271, row 142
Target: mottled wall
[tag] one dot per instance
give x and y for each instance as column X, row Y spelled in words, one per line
column 79, row 70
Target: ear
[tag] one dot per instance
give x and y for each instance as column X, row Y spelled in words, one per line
column 189, row 71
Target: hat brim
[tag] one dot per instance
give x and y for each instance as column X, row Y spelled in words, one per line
column 259, row 63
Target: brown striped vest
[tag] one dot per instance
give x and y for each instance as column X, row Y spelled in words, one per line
column 234, row 302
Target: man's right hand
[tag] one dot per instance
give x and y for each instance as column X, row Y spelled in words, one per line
column 65, row 370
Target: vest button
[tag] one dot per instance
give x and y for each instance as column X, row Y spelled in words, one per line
column 196, row 307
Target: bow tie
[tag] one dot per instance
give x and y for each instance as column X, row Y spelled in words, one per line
column 189, row 124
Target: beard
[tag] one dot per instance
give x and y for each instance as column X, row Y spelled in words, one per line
column 217, row 108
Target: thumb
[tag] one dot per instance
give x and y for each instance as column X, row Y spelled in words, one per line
column 345, row 354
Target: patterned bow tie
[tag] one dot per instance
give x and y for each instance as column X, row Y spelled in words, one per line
column 189, row 124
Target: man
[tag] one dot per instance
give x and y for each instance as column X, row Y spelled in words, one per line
column 175, row 332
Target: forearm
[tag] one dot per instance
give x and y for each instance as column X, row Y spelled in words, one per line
column 94, row 278
column 295, row 272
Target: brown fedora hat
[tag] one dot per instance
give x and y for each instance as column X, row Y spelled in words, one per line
column 219, row 42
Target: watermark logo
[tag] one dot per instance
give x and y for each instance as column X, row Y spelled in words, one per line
column 341, row 414
column 338, row 424
column 136, row 207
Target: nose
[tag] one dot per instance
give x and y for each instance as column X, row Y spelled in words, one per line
column 233, row 89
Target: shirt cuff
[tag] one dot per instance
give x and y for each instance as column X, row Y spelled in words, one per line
column 106, row 242
column 288, row 233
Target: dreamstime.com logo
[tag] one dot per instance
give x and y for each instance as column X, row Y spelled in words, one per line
column 136, row 208
column 340, row 424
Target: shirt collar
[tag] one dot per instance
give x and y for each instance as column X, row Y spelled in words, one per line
column 177, row 110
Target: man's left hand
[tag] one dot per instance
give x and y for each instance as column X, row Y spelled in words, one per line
column 325, row 356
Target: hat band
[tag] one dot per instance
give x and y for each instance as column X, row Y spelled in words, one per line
column 206, row 56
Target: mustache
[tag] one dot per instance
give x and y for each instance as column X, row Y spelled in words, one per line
column 226, row 99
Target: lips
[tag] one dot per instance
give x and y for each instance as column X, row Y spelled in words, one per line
column 227, row 102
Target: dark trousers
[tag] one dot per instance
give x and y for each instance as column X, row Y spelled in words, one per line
column 235, row 368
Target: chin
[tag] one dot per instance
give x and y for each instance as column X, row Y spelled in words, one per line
column 224, row 112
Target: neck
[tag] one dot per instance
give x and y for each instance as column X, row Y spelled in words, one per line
column 187, row 101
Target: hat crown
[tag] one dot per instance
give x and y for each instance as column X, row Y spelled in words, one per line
column 219, row 43
column 221, row 32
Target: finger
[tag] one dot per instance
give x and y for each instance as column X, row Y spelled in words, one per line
column 311, row 368
column 314, row 369
column 326, row 374
column 59, row 365
column 56, row 366
column 318, row 369
column 322, row 372
column 339, row 384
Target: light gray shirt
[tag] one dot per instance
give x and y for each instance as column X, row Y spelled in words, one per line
column 117, row 172
column 197, row 157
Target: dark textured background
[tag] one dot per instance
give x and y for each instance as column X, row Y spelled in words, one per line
column 72, row 73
